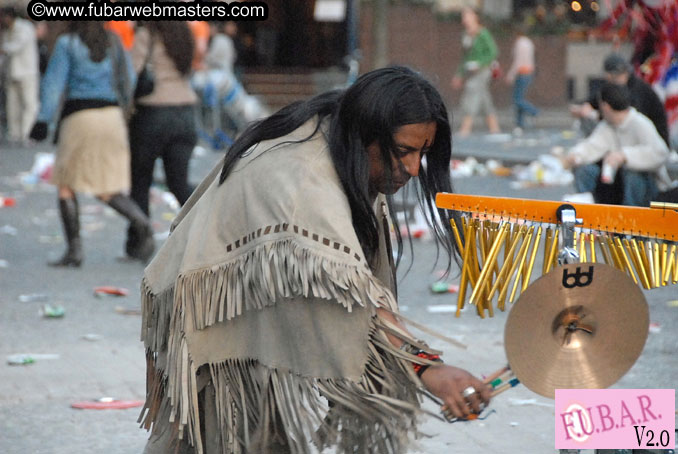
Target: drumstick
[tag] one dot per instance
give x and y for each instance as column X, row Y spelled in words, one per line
column 502, row 379
column 513, row 382
column 497, row 374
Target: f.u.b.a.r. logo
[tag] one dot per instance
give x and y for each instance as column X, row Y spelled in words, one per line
column 577, row 279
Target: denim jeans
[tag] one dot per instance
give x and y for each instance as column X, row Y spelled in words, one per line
column 639, row 188
column 523, row 106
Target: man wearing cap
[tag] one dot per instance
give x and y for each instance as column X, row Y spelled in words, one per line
column 627, row 144
column 642, row 97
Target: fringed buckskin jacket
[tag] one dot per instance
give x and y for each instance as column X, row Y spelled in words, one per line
column 259, row 315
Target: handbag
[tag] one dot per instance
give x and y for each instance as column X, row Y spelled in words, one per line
column 146, row 79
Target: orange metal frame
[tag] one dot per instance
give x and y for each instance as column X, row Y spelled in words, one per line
column 647, row 222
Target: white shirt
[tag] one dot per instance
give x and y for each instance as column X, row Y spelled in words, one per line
column 20, row 44
column 523, row 57
column 636, row 137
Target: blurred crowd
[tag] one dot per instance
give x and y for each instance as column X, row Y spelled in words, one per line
column 219, row 51
column 116, row 97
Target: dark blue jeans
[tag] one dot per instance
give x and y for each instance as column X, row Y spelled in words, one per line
column 639, row 188
column 523, row 106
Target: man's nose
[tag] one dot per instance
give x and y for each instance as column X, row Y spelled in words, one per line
column 411, row 162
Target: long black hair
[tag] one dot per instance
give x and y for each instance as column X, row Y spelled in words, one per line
column 178, row 40
column 370, row 111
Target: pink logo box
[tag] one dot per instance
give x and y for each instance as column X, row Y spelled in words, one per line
column 615, row 418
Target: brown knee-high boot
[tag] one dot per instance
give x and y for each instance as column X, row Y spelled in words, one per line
column 71, row 223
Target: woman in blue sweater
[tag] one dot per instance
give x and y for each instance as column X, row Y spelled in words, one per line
column 90, row 70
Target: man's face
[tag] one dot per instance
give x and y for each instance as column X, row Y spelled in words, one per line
column 617, row 78
column 411, row 143
column 609, row 114
column 469, row 19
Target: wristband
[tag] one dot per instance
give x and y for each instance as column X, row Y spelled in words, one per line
column 419, row 369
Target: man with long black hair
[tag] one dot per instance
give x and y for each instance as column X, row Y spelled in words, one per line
column 270, row 316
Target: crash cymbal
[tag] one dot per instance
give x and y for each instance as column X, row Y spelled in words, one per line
column 582, row 325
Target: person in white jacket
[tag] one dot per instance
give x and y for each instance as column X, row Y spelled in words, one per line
column 625, row 145
column 19, row 44
column 219, row 86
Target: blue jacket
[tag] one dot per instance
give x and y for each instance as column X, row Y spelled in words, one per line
column 70, row 72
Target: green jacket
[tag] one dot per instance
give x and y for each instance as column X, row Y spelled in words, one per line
column 483, row 51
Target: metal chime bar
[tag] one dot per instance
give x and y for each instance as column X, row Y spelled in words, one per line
column 499, row 238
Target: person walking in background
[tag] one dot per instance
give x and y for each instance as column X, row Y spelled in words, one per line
column 625, row 143
column 93, row 152
column 164, row 124
column 20, row 45
column 221, row 53
column 520, row 74
column 220, row 88
column 474, row 74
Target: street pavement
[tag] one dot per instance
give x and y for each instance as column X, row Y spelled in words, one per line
column 98, row 348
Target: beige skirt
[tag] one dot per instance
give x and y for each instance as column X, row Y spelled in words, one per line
column 93, row 152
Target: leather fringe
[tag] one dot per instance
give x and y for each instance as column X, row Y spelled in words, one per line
column 374, row 414
column 259, row 278
column 255, row 403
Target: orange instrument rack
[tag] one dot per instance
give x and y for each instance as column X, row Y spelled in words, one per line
column 660, row 221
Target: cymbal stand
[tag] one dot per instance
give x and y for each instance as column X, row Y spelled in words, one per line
column 567, row 216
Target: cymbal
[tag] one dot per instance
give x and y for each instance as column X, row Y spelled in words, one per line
column 582, row 325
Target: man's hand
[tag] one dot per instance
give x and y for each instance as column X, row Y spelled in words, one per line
column 569, row 161
column 585, row 110
column 448, row 383
column 457, row 82
column 615, row 159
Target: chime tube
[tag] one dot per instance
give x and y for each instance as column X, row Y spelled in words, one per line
column 523, row 247
column 625, row 259
column 548, row 239
column 640, row 265
column 489, row 263
column 523, row 255
column 533, row 256
column 464, row 271
column 507, row 263
column 553, row 252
